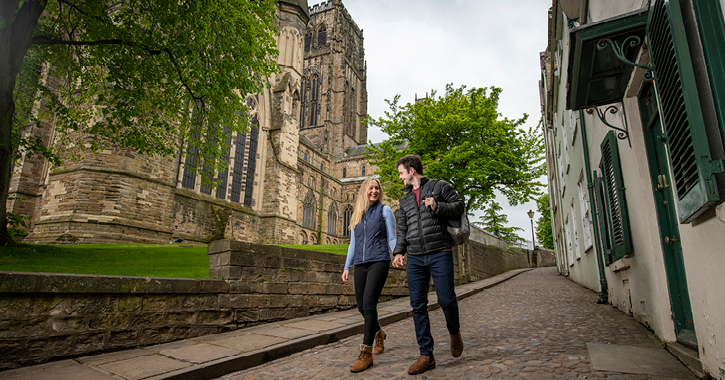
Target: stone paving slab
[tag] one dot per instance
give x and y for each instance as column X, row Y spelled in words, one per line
column 248, row 342
column 285, row 332
column 111, row 357
column 316, row 326
column 65, row 369
column 143, row 366
column 199, row 353
column 212, row 356
column 635, row 359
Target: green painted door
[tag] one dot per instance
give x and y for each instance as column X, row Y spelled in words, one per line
column 656, row 144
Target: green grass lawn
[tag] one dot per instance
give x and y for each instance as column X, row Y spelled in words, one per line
column 148, row 260
column 338, row 249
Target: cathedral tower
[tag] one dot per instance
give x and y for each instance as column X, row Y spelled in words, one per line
column 334, row 95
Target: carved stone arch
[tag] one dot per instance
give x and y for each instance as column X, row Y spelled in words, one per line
column 302, row 238
column 287, row 43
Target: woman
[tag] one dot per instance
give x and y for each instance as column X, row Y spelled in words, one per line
column 372, row 230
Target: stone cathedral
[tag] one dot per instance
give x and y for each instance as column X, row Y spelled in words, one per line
column 292, row 178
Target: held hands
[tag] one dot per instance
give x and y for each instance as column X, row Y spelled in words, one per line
column 397, row 261
column 345, row 275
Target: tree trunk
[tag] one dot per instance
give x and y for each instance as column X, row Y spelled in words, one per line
column 16, row 32
column 7, row 108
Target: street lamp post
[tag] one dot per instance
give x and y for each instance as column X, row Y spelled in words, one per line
column 531, row 216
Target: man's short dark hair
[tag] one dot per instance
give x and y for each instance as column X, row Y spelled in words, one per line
column 411, row 161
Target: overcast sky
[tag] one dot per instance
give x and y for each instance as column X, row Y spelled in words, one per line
column 414, row 46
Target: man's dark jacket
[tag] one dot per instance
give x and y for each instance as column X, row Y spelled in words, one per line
column 422, row 230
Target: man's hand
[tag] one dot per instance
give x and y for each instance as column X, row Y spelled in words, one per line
column 345, row 275
column 398, row 261
column 430, row 203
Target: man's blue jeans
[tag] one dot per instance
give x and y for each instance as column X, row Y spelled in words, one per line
column 420, row 270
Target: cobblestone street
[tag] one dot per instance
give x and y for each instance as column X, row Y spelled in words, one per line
column 535, row 326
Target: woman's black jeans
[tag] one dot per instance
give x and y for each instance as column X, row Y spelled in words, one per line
column 369, row 281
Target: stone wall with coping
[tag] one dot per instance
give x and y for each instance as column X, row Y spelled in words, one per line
column 46, row 316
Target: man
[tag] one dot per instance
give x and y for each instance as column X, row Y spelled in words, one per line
column 422, row 234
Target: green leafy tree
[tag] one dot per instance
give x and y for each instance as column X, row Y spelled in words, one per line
column 543, row 225
column 141, row 74
column 495, row 222
column 463, row 139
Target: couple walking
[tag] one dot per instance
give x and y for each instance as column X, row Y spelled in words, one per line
column 422, row 235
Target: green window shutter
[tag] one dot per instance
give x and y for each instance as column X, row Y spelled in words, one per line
column 605, row 230
column 710, row 21
column 681, row 113
column 615, row 197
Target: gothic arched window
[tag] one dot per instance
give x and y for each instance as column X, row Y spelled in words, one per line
column 363, row 170
column 352, row 110
column 332, row 220
column 308, row 40
column 251, row 161
column 344, row 172
column 303, row 103
column 346, row 107
column 238, row 169
column 308, row 211
column 314, row 91
column 322, row 36
column 346, row 218
column 295, row 103
column 221, row 190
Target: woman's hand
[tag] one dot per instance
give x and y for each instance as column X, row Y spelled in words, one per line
column 345, row 275
column 398, row 261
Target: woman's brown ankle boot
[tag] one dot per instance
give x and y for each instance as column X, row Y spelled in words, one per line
column 379, row 346
column 364, row 360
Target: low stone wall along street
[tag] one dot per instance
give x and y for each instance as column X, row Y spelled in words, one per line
column 47, row 316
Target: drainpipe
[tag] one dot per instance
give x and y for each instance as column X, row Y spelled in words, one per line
column 604, row 295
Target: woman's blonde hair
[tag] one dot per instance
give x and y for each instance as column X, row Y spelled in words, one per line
column 362, row 204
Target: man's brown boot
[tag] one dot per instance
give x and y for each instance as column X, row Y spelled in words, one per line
column 364, row 360
column 456, row 344
column 424, row 363
column 379, row 347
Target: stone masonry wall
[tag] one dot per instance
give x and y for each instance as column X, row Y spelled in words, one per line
column 45, row 316
column 51, row 316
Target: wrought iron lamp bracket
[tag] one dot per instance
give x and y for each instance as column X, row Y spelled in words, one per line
column 632, row 41
column 622, row 133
